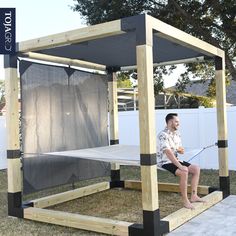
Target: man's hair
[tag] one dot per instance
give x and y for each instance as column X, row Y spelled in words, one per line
column 170, row 116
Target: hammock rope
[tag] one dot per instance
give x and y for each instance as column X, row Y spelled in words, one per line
column 201, row 150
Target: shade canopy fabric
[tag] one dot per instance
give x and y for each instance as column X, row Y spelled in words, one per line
column 120, row 50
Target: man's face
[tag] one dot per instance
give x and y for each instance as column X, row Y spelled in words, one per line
column 175, row 123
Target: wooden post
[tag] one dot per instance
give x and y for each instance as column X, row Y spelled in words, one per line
column 113, row 107
column 13, row 146
column 113, row 118
column 151, row 214
column 222, row 126
column 144, row 59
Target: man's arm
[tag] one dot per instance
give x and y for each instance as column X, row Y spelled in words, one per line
column 173, row 159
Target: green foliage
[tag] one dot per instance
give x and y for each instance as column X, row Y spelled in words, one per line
column 2, row 94
column 202, row 70
column 158, row 85
column 2, row 87
column 158, row 76
column 212, row 21
column 204, row 101
column 196, row 101
column 182, row 82
column 99, row 11
column 158, row 79
column 123, row 80
column 211, row 91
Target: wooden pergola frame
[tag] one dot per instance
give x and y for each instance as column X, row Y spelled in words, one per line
column 152, row 224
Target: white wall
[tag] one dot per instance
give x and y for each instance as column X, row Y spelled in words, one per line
column 3, row 159
column 198, row 129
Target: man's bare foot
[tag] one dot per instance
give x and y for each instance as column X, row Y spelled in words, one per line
column 189, row 205
column 195, row 198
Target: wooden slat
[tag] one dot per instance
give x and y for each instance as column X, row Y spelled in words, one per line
column 107, row 226
column 125, row 97
column 121, row 103
column 165, row 187
column 73, row 36
column 131, row 92
column 70, row 195
column 183, row 215
column 63, row 60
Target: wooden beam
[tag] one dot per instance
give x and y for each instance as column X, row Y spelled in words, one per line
column 166, row 63
column 73, row 36
column 178, row 36
column 101, row 225
column 165, row 187
column 183, row 215
column 169, row 187
column 63, row 60
column 133, row 184
column 70, row 195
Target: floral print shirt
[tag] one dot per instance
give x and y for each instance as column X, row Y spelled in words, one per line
column 167, row 140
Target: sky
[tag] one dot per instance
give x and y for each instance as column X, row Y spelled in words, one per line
column 36, row 18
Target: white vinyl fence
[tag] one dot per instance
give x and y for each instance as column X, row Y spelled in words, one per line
column 198, row 129
column 3, row 147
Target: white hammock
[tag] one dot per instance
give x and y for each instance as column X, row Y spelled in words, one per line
column 120, row 154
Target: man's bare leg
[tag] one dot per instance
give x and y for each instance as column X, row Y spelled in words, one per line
column 195, row 171
column 183, row 184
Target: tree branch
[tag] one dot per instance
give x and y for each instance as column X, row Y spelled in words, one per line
column 206, row 35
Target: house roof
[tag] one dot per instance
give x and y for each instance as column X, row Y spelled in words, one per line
column 199, row 88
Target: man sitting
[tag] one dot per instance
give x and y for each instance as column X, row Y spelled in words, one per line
column 168, row 147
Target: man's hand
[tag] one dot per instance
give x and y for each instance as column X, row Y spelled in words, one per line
column 183, row 168
column 180, row 150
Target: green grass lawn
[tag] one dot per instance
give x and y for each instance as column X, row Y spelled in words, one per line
column 117, row 204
